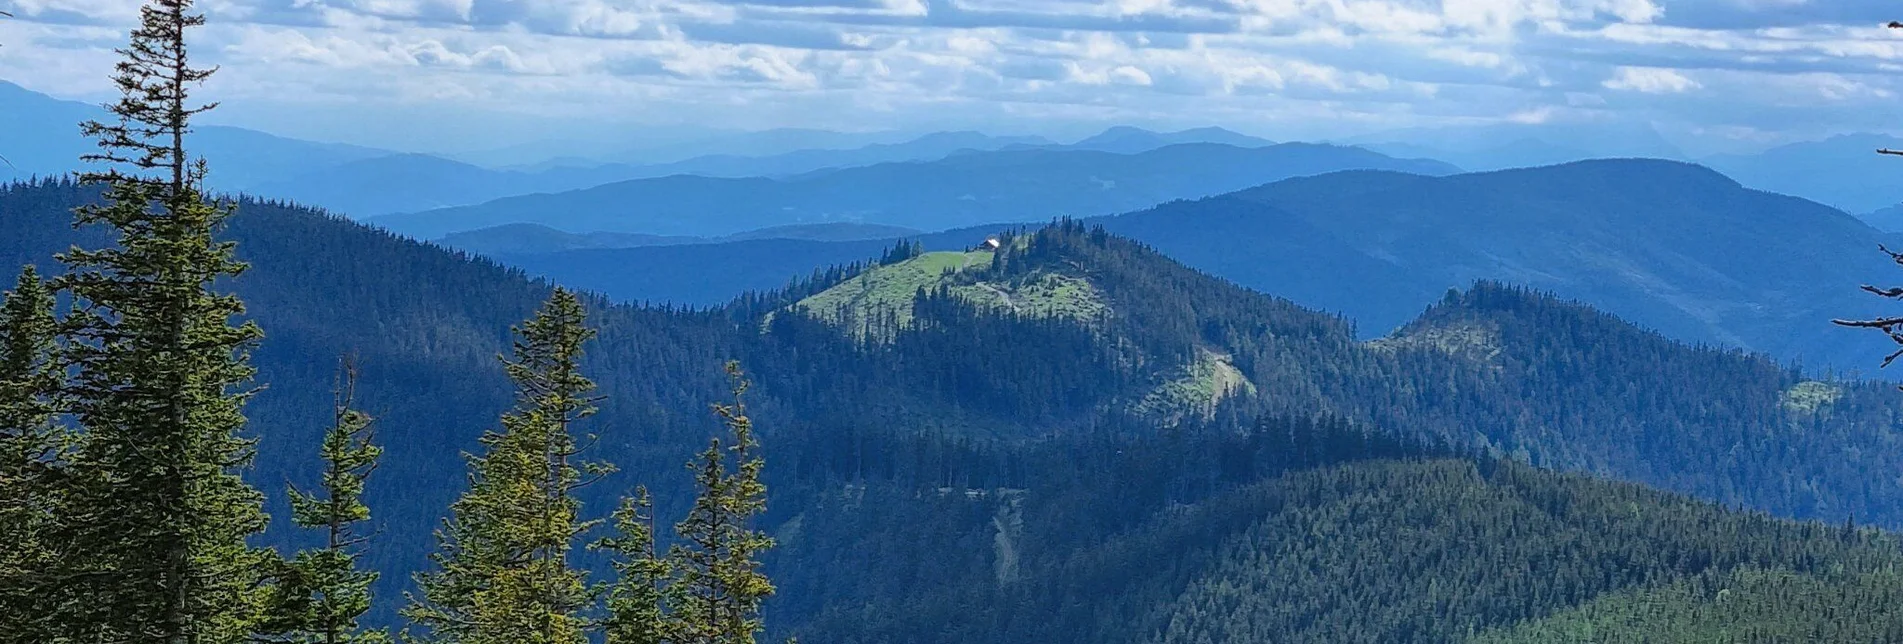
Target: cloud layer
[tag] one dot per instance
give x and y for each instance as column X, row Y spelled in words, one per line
column 1744, row 69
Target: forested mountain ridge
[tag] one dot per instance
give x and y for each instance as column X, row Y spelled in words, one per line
column 1500, row 367
column 1671, row 246
column 960, row 190
column 509, row 240
column 1677, row 247
column 977, row 448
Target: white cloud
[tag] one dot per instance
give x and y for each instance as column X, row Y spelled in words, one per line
column 850, row 61
column 1533, row 116
column 1832, row 87
column 1650, row 80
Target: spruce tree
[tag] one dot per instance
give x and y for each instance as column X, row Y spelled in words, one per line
column 504, row 575
column 322, row 593
column 718, row 584
column 159, row 517
column 637, row 600
column 30, row 453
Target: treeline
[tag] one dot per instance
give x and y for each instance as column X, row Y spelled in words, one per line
column 124, row 382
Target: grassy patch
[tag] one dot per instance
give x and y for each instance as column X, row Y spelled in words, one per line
column 1810, row 396
column 1042, row 295
column 1196, row 389
column 1466, row 339
column 888, row 290
column 862, row 304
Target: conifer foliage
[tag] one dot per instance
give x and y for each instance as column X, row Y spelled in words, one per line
column 30, row 445
column 323, row 593
column 123, row 512
column 158, row 516
column 504, row 573
column 707, row 588
column 720, row 586
column 637, row 600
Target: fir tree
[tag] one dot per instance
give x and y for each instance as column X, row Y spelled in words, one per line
column 30, row 446
column 159, row 517
column 504, row 574
column 322, row 592
column 637, row 600
column 717, row 573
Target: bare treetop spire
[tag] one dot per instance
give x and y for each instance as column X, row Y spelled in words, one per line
column 154, row 110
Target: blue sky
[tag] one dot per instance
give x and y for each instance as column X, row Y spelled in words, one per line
column 472, row 74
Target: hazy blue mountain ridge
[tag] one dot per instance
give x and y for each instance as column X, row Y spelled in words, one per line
column 959, row 190
column 1843, row 171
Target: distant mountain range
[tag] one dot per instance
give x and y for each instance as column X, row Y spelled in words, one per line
column 1131, row 140
column 42, row 137
column 513, row 239
column 415, row 182
column 1675, row 247
column 1518, row 145
column 960, row 190
column 362, row 182
column 1842, row 171
column 660, row 145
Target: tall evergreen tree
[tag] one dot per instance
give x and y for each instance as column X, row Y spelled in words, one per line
column 323, row 593
column 159, row 518
column 504, row 574
column 637, row 600
column 30, row 446
column 717, row 579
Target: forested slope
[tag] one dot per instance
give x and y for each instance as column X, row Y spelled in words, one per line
column 973, row 467
column 1678, row 247
column 1420, row 551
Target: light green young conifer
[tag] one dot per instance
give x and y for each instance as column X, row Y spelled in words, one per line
column 718, row 586
column 503, row 572
column 637, row 600
column 322, row 593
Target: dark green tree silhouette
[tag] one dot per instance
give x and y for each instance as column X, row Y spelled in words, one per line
column 158, row 519
column 31, row 446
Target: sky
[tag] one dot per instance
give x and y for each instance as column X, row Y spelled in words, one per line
column 460, row 75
